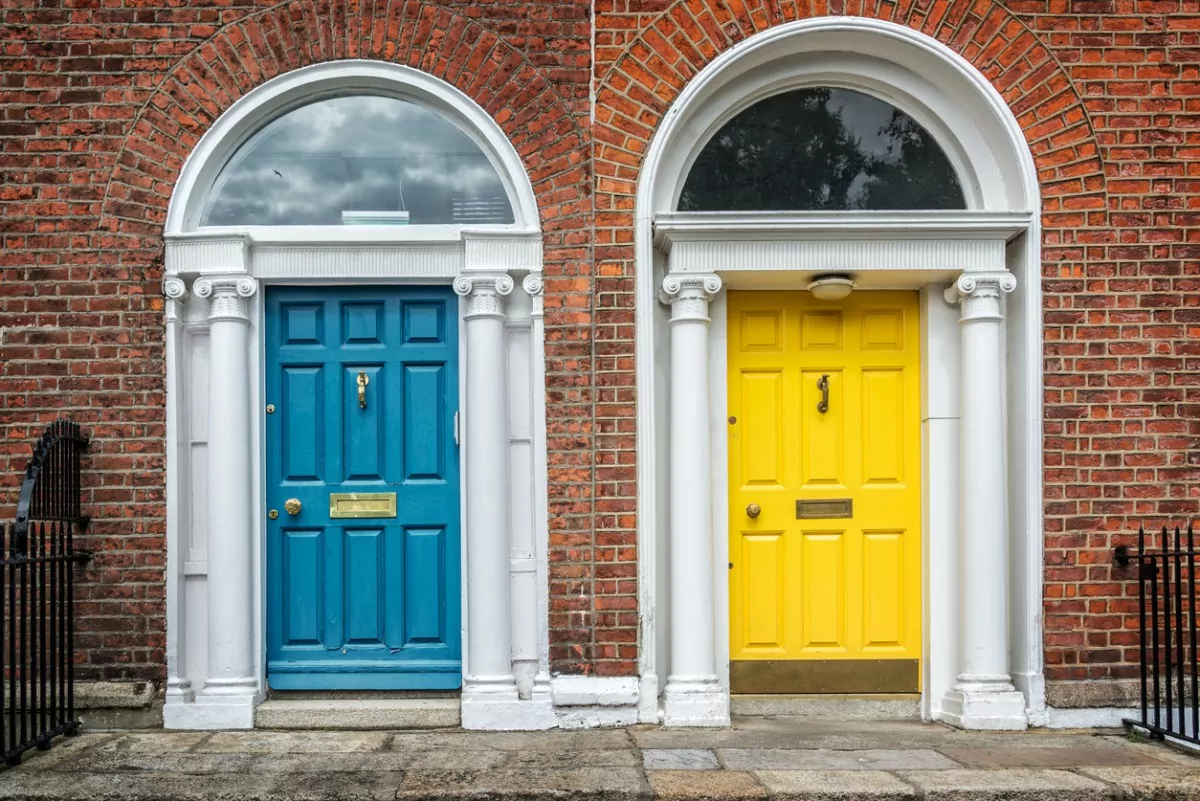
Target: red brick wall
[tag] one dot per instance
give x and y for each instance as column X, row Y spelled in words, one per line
column 100, row 105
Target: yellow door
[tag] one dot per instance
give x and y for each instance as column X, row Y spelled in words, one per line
column 824, row 497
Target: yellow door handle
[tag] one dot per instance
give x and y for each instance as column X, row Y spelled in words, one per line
column 292, row 506
column 753, row 510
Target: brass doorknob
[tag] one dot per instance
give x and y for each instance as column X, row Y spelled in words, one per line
column 753, row 510
column 292, row 506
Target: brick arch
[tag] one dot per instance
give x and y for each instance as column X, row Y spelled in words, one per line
column 290, row 35
column 644, row 67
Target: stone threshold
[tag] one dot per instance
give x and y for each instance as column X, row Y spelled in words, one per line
column 357, row 714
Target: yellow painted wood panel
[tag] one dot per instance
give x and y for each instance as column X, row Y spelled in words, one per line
column 838, row 588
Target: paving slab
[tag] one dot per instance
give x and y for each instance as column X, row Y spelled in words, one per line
column 292, row 742
column 1006, row 785
column 593, row 758
column 1100, row 754
column 1160, row 784
column 680, row 759
column 818, row 785
column 156, row 742
column 708, row 785
column 18, row 786
column 614, row 783
column 602, row 739
column 825, row 759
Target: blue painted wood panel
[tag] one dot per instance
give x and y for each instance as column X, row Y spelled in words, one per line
column 367, row 603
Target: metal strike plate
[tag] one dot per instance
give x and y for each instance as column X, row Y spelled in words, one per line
column 362, row 504
column 816, row 510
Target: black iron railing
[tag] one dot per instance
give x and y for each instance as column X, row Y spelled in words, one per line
column 37, row 583
column 1167, row 620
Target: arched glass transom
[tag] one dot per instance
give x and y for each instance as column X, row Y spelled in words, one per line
column 359, row 160
column 821, row 149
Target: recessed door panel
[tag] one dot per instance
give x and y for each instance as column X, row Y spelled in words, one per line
column 425, row 600
column 762, row 454
column 363, row 567
column 824, row 504
column 303, row 572
column 822, row 435
column 824, row 596
column 763, row 577
column 425, row 422
column 884, row 433
column 302, row 443
column 364, row 422
column 885, row 595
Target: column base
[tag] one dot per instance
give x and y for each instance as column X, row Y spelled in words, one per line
column 985, row 706
column 695, row 702
column 211, row 712
column 493, row 704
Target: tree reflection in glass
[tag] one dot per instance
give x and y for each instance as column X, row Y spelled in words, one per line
column 821, row 149
column 327, row 162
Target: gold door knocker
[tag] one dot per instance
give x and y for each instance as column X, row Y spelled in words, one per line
column 363, row 380
column 823, row 386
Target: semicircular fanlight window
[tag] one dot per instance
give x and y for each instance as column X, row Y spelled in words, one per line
column 821, row 149
column 362, row 160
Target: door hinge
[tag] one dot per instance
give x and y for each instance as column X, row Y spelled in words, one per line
column 456, row 436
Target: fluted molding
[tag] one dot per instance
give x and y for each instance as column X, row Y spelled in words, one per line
column 980, row 295
column 228, row 296
column 484, row 293
column 689, row 295
column 175, row 291
column 534, row 287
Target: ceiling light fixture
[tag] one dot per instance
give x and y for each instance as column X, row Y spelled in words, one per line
column 831, row 287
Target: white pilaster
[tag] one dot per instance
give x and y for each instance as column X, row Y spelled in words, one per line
column 983, row 696
column 541, row 697
column 179, row 687
column 489, row 698
column 693, row 695
column 231, row 690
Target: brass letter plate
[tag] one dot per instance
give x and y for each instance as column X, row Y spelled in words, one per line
column 813, row 510
column 362, row 504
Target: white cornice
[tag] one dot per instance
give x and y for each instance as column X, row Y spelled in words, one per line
column 332, row 252
column 771, row 226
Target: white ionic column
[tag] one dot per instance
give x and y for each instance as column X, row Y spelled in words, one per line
column 231, row 688
column 179, row 687
column 983, row 696
column 489, row 697
column 693, row 695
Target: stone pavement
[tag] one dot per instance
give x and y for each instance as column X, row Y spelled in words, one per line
column 760, row 758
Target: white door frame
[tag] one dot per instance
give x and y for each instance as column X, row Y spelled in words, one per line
column 998, row 236
column 213, row 281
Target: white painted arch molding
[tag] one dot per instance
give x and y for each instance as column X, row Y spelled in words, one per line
column 308, row 84
column 982, row 139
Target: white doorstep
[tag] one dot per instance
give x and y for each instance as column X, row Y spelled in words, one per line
column 358, row 713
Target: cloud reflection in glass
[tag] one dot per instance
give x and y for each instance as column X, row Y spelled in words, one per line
column 362, row 153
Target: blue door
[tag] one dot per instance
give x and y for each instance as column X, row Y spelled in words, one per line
column 363, row 488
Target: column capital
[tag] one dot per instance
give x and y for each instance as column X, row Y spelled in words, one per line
column 174, row 290
column 534, row 287
column 484, row 293
column 227, row 295
column 979, row 294
column 688, row 295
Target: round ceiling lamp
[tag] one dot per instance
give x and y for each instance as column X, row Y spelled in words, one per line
column 831, row 287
